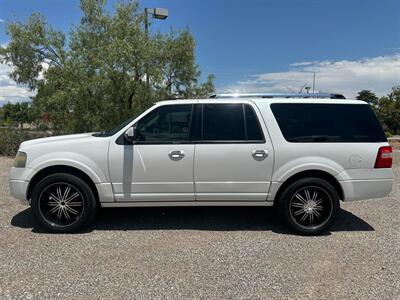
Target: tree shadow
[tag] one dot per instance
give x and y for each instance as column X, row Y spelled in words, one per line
column 194, row 218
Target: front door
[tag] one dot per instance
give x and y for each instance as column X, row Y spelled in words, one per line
column 234, row 158
column 159, row 164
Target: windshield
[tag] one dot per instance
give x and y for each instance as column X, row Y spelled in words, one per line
column 113, row 131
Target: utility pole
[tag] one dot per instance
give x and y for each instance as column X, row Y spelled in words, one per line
column 313, row 84
column 146, row 21
column 146, row 31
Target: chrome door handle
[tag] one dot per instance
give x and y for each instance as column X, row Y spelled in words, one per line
column 176, row 155
column 260, row 154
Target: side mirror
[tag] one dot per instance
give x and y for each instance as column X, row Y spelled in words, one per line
column 130, row 134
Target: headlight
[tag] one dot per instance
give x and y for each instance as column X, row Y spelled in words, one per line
column 20, row 160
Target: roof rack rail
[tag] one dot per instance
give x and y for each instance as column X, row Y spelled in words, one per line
column 279, row 95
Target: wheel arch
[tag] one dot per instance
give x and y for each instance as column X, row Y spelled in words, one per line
column 61, row 169
column 310, row 174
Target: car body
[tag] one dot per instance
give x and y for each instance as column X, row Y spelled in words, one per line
column 237, row 151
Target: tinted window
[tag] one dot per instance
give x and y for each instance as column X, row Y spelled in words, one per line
column 166, row 124
column 328, row 123
column 252, row 125
column 223, row 122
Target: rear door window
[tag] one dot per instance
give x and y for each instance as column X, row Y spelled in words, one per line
column 223, row 122
column 253, row 129
column 234, row 122
column 319, row 123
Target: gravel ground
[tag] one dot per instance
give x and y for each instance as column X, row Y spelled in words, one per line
column 201, row 253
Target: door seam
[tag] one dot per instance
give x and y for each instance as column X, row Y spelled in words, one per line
column 194, row 182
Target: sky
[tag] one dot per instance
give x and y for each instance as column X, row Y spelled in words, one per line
column 262, row 45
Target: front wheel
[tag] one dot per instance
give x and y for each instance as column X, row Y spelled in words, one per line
column 63, row 203
column 310, row 205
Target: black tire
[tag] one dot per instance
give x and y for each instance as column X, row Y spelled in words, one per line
column 63, row 203
column 310, row 205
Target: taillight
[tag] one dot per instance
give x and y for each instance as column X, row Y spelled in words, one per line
column 384, row 158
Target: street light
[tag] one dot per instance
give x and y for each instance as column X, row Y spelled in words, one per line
column 156, row 13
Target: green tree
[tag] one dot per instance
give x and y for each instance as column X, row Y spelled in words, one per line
column 2, row 119
column 95, row 77
column 19, row 113
column 388, row 111
column 179, row 71
column 367, row 96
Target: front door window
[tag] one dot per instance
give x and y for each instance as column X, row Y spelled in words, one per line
column 166, row 124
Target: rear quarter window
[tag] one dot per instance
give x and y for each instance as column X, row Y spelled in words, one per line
column 334, row 123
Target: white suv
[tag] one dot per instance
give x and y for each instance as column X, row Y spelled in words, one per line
column 300, row 154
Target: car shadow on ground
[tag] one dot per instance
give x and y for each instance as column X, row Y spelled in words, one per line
column 194, row 218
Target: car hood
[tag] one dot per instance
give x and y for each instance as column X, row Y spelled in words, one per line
column 56, row 139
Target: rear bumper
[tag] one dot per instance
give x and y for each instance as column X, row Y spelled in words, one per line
column 366, row 189
column 18, row 189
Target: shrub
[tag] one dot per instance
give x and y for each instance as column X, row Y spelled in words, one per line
column 43, row 127
column 11, row 138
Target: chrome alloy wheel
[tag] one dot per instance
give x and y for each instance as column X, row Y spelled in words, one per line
column 61, row 204
column 310, row 207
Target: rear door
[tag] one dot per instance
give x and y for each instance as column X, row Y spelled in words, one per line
column 233, row 155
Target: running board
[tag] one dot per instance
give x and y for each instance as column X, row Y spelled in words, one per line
column 186, row 203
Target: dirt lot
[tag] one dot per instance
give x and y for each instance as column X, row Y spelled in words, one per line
column 201, row 253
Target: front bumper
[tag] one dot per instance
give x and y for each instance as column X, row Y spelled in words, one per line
column 18, row 189
column 19, row 181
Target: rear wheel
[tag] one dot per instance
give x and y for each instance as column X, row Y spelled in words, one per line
column 310, row 205
column 63, row 203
